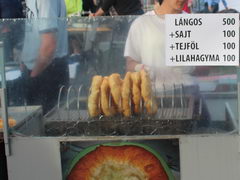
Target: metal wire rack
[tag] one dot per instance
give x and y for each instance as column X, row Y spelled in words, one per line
column 177, row 113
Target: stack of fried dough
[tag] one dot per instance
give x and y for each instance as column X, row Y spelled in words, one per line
column 110, row 95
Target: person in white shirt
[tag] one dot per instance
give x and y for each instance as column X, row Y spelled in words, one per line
column 145, row 49
column 145, row 46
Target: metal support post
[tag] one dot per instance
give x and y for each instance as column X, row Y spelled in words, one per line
column 3, row 96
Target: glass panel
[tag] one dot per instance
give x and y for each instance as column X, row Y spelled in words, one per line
column 61, row 102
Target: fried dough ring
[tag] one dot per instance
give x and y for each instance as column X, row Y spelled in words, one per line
column 126, row 95
column 94, row 97
column 115, row 84
column 136, row 91
column 146, row 92
column 11, row 122
column 105, row 95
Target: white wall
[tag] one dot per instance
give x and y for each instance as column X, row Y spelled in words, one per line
column 210, row 157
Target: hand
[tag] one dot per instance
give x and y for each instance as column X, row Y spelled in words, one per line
column 27, row 75
column 28, row 81
column 33, row 74
column 147, row 68
column 25, row 72
column 91, row 15
column 139, row 67
column 22, row 67
column 209, row 8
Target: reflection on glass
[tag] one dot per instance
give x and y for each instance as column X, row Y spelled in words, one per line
column 96, row 47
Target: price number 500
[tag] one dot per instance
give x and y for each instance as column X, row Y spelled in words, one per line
column 229, row 21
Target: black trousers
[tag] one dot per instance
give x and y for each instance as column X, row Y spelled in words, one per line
column 41, row 90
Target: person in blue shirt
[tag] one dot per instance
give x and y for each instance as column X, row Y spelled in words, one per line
column 43, row 56
column 213, row 5
column 43, row 60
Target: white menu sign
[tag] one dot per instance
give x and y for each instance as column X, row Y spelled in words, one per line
column 202, row 40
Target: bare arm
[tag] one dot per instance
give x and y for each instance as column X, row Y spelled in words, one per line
column 46, row 52
column 225, row 4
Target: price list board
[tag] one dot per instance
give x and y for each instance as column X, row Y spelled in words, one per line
column 202, row 40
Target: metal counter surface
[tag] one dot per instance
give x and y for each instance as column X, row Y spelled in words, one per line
column 22, row 114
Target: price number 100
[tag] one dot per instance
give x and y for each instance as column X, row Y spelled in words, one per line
column 229, row 45
column 229, row 57
column 229, row 33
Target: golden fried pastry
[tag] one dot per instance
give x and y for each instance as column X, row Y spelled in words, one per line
column 115, row 84
column 126, row 95
column 11, row 122
column 118, row 162
column 136, row 91
column 94, row 97
column 146, row 92
column 105, row 98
